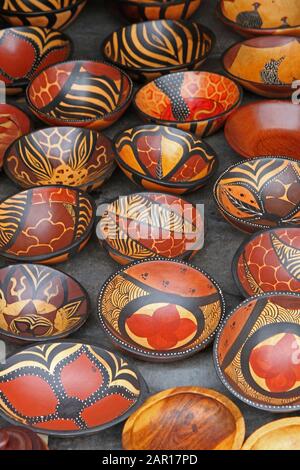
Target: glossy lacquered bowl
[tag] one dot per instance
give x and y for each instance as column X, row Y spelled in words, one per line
column 141, row 10
column 19, row 438
column 13, row 124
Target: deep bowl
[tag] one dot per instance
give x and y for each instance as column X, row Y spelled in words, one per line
column 142, row 10
column 282, row 434
column 80, row 93
column 70, row 156
column 162, row 158
column 13, row 124
column 257, row 349
column 19, row 438
column 199, row 102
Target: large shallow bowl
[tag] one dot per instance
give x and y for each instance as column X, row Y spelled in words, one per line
column 19, row 438
column 141, row 10
column 199, row 102
column 260, row 193
column 47, row 224
column 80, row 93
column 154, row 48
column 72, row 156
column 69, row 389
column 282, row 434
column 257, row 350
column 266, row 65
column 161, row 158
column 13, row 124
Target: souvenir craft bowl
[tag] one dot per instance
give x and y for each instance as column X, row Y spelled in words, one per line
column 141, row 10
column 80, row 93
column 161, row 310
column 26, row 50
column 260, row 193
column 256, row 352
column 185, row 418
column 282, row 434
column 266, row 65
column 13, row 124
column 150, row 225
column 265, row 128
column 69, row 389
column 162, row 158
column 71, row 156
column 47, row 224
column 199, row 102
column 19, row 438
column 154, row 48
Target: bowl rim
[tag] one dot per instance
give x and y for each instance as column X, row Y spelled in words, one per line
column 141, row 70
column 156, row 2
column 41, row 12
column 154, row 355
column 89, row 120
column 268, row 428
column 20, row 110
column 217, row 366
column 143, row 387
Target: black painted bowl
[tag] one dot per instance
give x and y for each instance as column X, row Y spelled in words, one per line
column 142, row 10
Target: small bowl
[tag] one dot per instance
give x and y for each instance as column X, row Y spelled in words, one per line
column 81, row 94
column 256, row 352
column 199, row 102
column 47, row 224
column 265, row 128
column 162, row 158
column 69, row 389
column 282, row 434
column 19, row 438
column 161, row 310
column 137, row 10
column 150, row 225
column 185, row 418
column 154, row 48
column 13, row 124
column 275, row 65
column 71, row 156
column 260, row 193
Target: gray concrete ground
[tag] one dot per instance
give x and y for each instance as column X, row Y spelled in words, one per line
column 92, row 266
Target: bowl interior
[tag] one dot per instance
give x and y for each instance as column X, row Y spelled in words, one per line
column 13, row 124
column 282, row 434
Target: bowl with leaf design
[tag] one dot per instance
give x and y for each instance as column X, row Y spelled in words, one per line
column 142, row 10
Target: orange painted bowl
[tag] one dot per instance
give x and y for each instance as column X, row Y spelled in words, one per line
column 71, row 156
column 163, row 158
column 260, row 193
column 154, row 48
column 249, row 18
column 257, row 349
column 199, row 102
column 275, row 65
column 143, row 10
column 282, row 434
column 19, row 438
column 69, row 389
column 80, row 93
column 48, row 224
column 265, row 128
column 150, row 225
column 13, row 124
column 161, row 310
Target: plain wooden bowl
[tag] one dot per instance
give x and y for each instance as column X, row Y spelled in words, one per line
column 282, row 434
column 142, row 10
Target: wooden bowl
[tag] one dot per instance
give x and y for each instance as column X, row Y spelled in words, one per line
column 199, row 102
column 265, row 128
column 185, row 418
column 69, row 389
column 47, row 224
column 150, row 225
column 282, row 434
column 13, row 124
column 39, row 303
column 249, row 18
column 80, row 93
column 142, row 10
column 161, row 310
column 56, row 14
column 260, row 193
column 154, row 48
column 71, row 156
column 162, row 158
column 19, row 438
column 275, row 64
column 256, row 352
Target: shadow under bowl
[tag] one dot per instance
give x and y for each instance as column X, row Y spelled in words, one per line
column 142, row 10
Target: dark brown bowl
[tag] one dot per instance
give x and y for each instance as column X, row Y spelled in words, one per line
column 142, row 10
column 19, row 438
column 282, row 434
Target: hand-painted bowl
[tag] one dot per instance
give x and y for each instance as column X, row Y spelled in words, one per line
column 260, row 193
column 161, row 310
column 199, row 102
column 257, row 352
column 56, row 14
column 266, row 65
column 71, row 156
column 282, row 434
column 20, row 438
column 265, row 128
column 13, row 124
column 150, row 225
column 161, row 158
column 47, row 224
column 26, row 50
column 154, row 48
column 142, row 10
column 69, row 389
column 80, row 93
column 38, row 303
column 185, row 418
column 249, row 18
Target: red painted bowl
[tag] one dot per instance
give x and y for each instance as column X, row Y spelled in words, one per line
column 13, row 124
column 141, row 10
column 80, row 93
column 19, row 438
